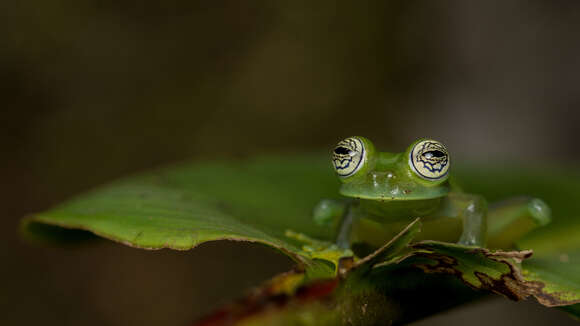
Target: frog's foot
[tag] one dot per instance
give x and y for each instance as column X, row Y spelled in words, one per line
column 539, row 211
column 470, row 242
column 321, row 249
column 513, row 218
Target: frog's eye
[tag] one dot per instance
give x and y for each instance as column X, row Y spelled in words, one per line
column 348, row 156
column 429, row 159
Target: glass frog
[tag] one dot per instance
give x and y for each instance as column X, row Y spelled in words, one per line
column 384, row 192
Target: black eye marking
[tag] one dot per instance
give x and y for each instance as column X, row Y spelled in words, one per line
column 431, row 154
column 348, row 156
column 342, row 150
column 429, row 159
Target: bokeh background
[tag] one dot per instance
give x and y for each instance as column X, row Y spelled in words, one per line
column 95, row 89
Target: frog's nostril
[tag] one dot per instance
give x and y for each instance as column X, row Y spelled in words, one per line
column 381, row 175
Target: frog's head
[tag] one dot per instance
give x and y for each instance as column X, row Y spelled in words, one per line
column 420, row 172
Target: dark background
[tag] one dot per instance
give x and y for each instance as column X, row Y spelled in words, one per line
column 93, row 90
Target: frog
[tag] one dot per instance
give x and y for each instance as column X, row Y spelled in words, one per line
column 382, row 192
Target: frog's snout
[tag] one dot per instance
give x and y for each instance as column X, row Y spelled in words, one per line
column 381, row 177
column 383, row 182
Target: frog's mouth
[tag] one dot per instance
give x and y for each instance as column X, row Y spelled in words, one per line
column 387, row 191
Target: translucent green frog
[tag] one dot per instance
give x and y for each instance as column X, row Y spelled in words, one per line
column 386, row 191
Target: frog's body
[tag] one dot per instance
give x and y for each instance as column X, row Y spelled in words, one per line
column 386, row 191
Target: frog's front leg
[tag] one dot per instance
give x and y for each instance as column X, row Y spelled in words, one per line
column 511, row 219
column 472, row 209
column 327, row 213
column 338, row 215
column 343, row 238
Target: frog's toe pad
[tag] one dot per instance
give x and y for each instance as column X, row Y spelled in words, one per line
column 472, row 242
column 539, row 211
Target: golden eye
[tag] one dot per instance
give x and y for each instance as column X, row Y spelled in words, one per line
column 429, row 159
column 348, row 156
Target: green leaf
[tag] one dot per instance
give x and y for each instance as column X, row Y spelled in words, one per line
column 261, row 199
column 393, row 293
column 254, row 200
column 480, row 268
column 391, row 250
column 554, row 268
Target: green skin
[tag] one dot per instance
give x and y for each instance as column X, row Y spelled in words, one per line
column 386, row 193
